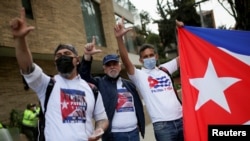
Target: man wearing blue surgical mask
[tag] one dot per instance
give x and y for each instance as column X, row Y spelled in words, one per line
column 148, row 56
column 156, row 88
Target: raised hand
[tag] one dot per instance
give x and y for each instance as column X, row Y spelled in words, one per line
column 179, row 23
column 90, row 48
column 19, row 27
column 120, row 30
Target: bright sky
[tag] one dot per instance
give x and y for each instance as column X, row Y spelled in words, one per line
column 220, row 14
column 150, row 7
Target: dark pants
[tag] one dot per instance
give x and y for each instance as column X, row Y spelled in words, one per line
column 169, row 130
column 29, row 132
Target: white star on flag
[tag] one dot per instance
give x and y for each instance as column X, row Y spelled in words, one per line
column 64, row 104
column 211, row 87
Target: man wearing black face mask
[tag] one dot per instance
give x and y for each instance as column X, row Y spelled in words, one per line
column 71, row 106
column 64, row 62
column 120, row 97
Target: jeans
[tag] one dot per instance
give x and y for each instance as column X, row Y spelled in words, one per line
column 125, row 136
column 169, row 130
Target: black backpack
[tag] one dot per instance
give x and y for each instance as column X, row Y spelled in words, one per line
column 41, row 123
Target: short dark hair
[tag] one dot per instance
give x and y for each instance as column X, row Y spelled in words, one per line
column 146, row 46
column 66, row 46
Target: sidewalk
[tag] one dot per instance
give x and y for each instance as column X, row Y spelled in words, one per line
column 149, row 132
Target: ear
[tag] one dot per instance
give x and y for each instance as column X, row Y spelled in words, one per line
column 141, row 60
column 156, row 56
column 103, row 67
column 78, row 60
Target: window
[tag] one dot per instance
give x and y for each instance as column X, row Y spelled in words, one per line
column 93, row 22
column 28, row 9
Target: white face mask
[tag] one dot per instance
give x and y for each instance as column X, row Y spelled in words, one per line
column 149, row 63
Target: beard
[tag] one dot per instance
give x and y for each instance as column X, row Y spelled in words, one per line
column 113, row 73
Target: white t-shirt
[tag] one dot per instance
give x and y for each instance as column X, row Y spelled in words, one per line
column 158, row 93
column 70, row 107
column 124, row 119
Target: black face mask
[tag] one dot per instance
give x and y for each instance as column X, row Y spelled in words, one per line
column 64, row 64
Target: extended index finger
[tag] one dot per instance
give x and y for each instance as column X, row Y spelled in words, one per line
column 93, row 40
column 22, row 14
column 122, row 20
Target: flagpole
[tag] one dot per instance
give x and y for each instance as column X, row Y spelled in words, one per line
column 201, row 16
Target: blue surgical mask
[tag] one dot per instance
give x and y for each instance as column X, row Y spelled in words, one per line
column 149, row 63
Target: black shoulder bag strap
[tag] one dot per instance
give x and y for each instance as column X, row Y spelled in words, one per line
column 167, row 72
column 48, row 92
column 41, row 124
column 94, row 90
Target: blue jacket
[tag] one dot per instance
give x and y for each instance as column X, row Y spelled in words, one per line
column 108, row 90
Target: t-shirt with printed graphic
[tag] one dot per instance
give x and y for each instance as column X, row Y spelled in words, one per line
column 124, row 109
column 70, row 108
column 157, row 91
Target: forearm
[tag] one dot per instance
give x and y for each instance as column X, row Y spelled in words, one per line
column 23, row 55
column 103, row 124
column 178, row 61
column 85, row 71
column 124, row 56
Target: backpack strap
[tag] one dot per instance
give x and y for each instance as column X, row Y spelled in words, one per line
column 41, row 123
column 48, row 92
column 171, row 77
column 94, row 90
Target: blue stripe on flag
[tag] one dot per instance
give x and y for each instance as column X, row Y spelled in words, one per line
column 233, row 40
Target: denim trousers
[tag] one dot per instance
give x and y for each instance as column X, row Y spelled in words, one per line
column 125, row 136
column 169, row 130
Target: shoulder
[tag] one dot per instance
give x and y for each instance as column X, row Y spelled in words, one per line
column 92, row 86
column 128, row 82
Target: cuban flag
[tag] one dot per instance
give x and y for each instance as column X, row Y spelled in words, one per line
column 158, row 82
column 215, row 78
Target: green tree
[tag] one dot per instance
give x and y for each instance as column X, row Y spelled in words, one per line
column 144, row 34
column 169, row 11
column 240, row 11
column 144, row 20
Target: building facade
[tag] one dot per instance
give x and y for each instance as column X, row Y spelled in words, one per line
column 56, row 22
